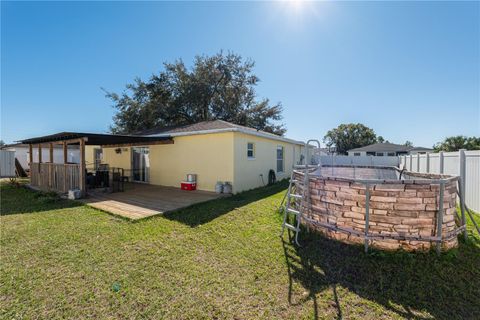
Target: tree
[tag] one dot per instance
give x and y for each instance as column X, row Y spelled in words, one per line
column 456, row 143
column 2, row 143
column 350, row 136
column 408, row 143
column 380, row 139
column 215, row 87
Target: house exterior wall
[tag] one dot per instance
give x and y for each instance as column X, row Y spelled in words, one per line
column 123, row 159
column 212, row 157
column 247, row 171
column 361, row 153
column 209, row 156
column 90, row 155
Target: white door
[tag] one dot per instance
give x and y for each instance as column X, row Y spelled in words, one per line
column 140, row 164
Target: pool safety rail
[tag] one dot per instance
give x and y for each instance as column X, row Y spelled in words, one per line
column 304, row 179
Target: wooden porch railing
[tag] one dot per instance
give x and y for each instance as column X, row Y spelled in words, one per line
column 55, row 176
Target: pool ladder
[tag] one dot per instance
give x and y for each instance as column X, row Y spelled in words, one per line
column 296, row 201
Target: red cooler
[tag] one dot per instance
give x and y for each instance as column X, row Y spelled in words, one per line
column 190, row 186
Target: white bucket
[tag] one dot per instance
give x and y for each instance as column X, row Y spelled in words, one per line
column 74, row 194
column 219, row 187
column 227, row 187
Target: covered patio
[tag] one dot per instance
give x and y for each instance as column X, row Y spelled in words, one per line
column 143, row 200
column 62, row 177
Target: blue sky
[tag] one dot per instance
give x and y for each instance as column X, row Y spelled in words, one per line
column 409, row 70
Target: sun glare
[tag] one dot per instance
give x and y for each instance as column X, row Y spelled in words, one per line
column 298, row 10
column 296, row 4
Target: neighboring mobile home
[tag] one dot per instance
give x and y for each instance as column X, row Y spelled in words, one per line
column 22, row 153
column 213, row 150
column 387, row 149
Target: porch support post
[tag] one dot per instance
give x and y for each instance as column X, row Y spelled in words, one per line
column 50, row 166
column 30, row 156
column 65, row 147
column 82, row 167
column 65, row 154
column 51, row 152
column 40, row 178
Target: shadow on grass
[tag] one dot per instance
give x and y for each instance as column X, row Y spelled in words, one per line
column 415, row 286
column 21, row 200
column 205, row 212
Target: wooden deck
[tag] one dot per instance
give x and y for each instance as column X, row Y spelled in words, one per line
column 143, row 200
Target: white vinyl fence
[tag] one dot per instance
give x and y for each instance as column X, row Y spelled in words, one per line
column 332, row 160
column 465, row 164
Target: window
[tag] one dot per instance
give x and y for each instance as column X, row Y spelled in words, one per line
column 379, row 154
column 356, row 154
column 391, row 154
column 250, row 150
column 370, row 153
column 280, row 152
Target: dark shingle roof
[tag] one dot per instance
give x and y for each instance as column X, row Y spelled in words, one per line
column 211, row 126
column 420, row 149
column 199, row 126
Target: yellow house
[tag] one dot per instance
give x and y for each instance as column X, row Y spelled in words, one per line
column 213, row 150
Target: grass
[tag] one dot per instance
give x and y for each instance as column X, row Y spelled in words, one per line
column 222, row 259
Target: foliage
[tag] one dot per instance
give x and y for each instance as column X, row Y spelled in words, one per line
column 221, row 86
column 408, row 143
column 350, row 136
column 206, row 262
column 2, row 143
column 456, row 143
column 380, row 139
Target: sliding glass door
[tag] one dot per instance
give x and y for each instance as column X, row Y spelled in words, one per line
column 140, row 164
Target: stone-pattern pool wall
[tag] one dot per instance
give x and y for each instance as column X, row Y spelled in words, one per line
column 397, row 208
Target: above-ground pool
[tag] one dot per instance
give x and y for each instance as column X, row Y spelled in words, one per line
column 382, row 207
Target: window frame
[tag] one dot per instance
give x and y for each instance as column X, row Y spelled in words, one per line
column 357, row 154
column 253, row 151
column 282, row 159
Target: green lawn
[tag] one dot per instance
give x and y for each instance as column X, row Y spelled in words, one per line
column 221, row 259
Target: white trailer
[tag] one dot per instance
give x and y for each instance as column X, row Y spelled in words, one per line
column 7, row 164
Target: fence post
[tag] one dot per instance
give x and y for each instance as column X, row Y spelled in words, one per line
column 418, row 162
column 461, row 195
column 462, row 168
column 463, row 176
column 411, row 161
column 428, row 161
column 441, row 162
